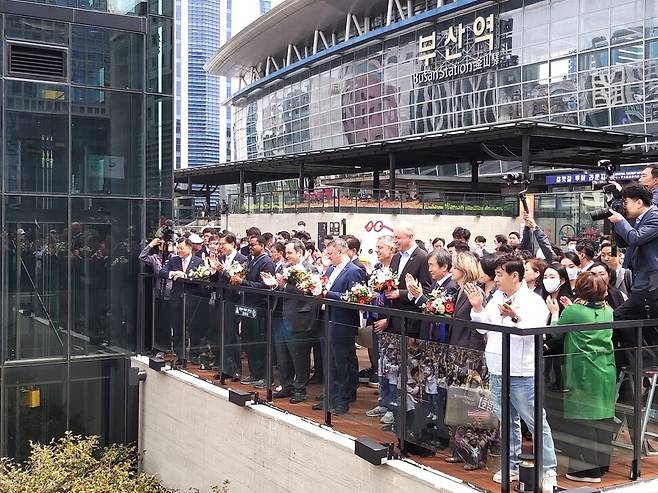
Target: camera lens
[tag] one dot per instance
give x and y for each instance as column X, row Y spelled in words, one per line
column 600, row 214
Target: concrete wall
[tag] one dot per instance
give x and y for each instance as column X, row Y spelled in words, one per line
column 427, row 226
column 192, row 437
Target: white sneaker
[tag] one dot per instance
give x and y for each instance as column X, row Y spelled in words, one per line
column 376, row 411
column 583, row 479
column 388, row 418
column 513, row 476
column 550, row 482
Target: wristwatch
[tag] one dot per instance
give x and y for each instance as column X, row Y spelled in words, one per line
column 515, row 319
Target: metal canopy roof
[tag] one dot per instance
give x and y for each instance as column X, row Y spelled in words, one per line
column 549, row 144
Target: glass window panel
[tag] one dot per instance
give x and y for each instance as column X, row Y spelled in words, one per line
column 30, row 29
column 595, row 118
column 509, row 76
column 107, row 154
column 594, row 21
column 508, row 112
column 593, row 59
column 536, row 53
column 120, row 7
column 624, row 74
column 25, row 423
column 37, row 277
column 160, row 55
column 105, row 241
column 161, row 7
column 37, row 137
column 97, row 399
column 596, row 39
column 629, row 12
column 624, row 115
column 562, row 103
column 651, row 91
column 535, row 35
column 536, row 107
column 159, row 158
column 107, row 58
column 625, row 34
column 592, row 5
column 509, row 94
column 626, row 53
column 564, row 46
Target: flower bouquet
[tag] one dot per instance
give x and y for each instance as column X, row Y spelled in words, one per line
column 312, row 284
column 201, row 273
column 359, row 293
column 236, row 269
column 383, row 279
column 439, row 303
column 295, row 274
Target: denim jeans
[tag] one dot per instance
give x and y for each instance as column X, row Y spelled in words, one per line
column 522, row 405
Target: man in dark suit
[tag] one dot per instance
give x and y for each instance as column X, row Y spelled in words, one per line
column 409, row 260
column 344, row 326
column 294, row 333
column 641, row 238
column 254, row 330
column 229, row 255
column 177, row 268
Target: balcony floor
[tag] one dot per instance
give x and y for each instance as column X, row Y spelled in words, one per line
column 356, row 424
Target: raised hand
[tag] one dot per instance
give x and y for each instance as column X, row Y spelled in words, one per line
column 475, row 296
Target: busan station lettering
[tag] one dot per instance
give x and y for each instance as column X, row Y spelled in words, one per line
column 463, row 50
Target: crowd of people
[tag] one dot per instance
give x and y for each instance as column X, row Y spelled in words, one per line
column 524, row 281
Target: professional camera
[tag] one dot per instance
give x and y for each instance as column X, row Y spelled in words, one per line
column 519, row 179
column 612, row 191
column 167, row 231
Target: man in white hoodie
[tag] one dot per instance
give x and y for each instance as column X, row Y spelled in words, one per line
column 514, row 305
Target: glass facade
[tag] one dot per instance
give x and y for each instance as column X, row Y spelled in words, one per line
column 587, row 62
column 75, row 208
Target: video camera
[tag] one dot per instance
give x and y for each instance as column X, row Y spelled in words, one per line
column 519, row 179
column 612, row 191
column 167, row 233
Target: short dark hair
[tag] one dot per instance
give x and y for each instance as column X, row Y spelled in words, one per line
column 480, row 239
column 461, row 233
column 573, row 257
column 259, row 238
column 442, row 257
column 654, row 169
column 586, row 249
column 590, row 287
column 505, row 248
column 230, row 238
column 268, row 236
column 186, row 240
column 501, row 239
column 284, row 234
column 636, row 191
column 511, row 264
column 310, row 246
column 253, row 231
column 459, row 246
column 515, row 233
column 298, row 245
column 353, row 243
column 488, row 264
column 279, row 247
column 442, row 240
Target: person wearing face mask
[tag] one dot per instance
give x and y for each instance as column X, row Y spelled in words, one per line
column 557, row 289
column 571, row 262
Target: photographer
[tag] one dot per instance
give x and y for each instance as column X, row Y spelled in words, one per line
column 641, row 237
column 649, row 178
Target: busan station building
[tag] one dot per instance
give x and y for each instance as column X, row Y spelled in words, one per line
column 318, row 76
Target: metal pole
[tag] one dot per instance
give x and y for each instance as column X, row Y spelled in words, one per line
column 327, row 367
column 525, row 154
column 637, row 407
column 222, row 341
column 184, row 331
column 475, row 176
column 241, row 194
column 391, row 174
column 402, row 417
column 268, row 358
column 505, row 415
column 538, row 438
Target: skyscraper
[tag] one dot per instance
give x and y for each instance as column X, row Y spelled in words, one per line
column 203, row 125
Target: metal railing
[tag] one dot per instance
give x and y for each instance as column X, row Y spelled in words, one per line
column 212, row 305
column 372, row 200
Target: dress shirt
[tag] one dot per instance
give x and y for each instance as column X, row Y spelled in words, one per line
column 405, row 256
column 229, row 259
column 185, row 262
column 336, row 272
column 532, row 312
column 654, row 201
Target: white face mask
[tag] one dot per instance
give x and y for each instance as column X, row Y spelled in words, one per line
column 573, row 273
column 551, row 285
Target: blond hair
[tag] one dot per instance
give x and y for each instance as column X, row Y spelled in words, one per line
column 469, row 264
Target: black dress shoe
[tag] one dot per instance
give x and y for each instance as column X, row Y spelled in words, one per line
column 339, row 411
column 297, row 397
column 318, row 407
column 281, row 394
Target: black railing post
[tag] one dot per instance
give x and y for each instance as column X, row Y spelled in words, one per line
column 268, row 357
column 401, row 419
column 505, row 416
column 538, row 438
column 327, row 367
column 637, row 407
column 154, row 325
column 222, row 340
column 184, row 331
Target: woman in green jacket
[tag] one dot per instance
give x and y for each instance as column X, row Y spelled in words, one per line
column 590, row 379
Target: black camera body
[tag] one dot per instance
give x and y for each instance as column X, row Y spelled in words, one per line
column 167, row 233
column 519, row 179
column 612, row 191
